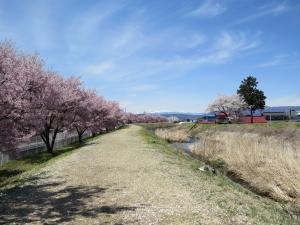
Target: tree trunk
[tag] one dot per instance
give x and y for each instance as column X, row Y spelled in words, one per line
column 80, row 134
column 53, row 140
column 251, row 116
column 46, row 139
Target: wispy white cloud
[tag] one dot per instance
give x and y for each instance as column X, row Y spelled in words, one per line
column 209, row 8
column 275, row 61
column 144, row 88
column 42, row 30
column 97, row 69
column 128, row 41
column 274, row 9
column 292, row 100
column 229, row 44
column 126, row 37
column 123, row 50
column 88, row 21
column 87, row 30
column 266, row 10
column 225, row 47
column 190, row 41
column 34, row 25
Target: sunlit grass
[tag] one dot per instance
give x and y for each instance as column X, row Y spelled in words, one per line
column 13, row 171
column 285, row 213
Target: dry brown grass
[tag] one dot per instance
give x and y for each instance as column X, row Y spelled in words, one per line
column 173, row 134
column 270, row 165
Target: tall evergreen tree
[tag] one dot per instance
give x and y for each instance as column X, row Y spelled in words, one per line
column 254, row 97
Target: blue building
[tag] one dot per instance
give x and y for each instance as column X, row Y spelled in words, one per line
column 281, row 112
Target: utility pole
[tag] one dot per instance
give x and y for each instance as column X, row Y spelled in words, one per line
column 270, row 115
column 292, row 113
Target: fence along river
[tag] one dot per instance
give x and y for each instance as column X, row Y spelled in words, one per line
column 36, row 145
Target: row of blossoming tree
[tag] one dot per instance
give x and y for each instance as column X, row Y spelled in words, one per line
column 39, row 102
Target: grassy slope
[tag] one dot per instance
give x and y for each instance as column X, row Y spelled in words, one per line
column 274, row 125
column 263, row 209
column 276, row 128
column 14, row 172
column 168, row 178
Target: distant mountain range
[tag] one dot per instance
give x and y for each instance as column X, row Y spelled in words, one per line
column 193, row 116
column 179, row 115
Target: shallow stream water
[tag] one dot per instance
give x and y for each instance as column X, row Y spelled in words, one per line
column 185, row 146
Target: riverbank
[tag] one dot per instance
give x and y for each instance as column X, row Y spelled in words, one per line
column 132, row 177
column 263, row 157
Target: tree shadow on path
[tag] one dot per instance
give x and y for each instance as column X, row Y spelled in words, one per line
column 52, row 202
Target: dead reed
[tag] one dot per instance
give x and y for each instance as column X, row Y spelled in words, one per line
column 267, row 163
column 173, row 134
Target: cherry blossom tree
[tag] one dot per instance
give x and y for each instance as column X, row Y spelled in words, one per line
column 231, row 106
column 114, row 117
column 20, row 80
column 53, row 109
column 144, row 118
column 99, row 112
column 87, row 113
column 34, row 101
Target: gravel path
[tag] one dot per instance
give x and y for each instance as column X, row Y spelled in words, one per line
column 120, row 179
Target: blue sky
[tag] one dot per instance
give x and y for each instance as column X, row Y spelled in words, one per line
column 164, row 55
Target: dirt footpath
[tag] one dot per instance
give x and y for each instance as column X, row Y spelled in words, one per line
column 121, row 179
